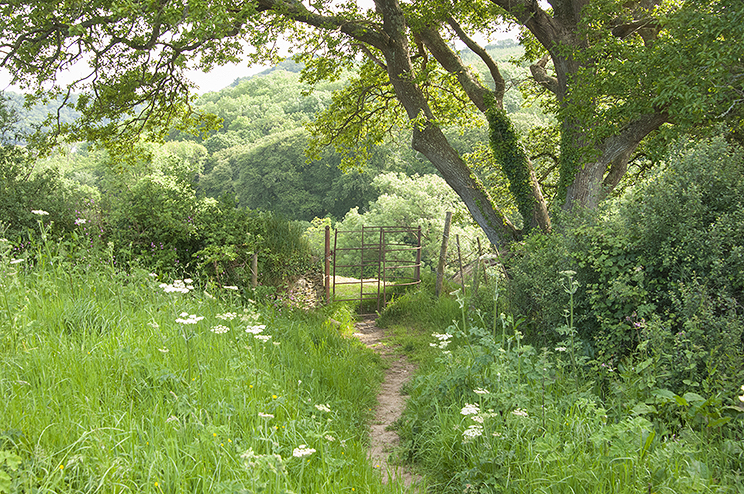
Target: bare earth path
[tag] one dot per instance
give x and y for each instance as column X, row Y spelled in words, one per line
column 390, row 402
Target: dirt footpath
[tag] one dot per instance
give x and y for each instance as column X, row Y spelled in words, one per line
column 390, row 402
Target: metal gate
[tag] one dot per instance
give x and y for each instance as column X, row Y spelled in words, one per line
column 371, row 263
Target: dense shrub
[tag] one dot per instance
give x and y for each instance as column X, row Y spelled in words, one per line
column 659, row 269
column 23, row 188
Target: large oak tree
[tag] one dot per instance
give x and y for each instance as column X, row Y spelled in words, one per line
column 614, row 71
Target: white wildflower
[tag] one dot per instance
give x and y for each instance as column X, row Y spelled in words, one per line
column 302, row 450
column 220, row 329
column 442, row 336
column 230, row 287
column 40, row 212
column 560, row 349
column 470, row 409
column 330, row 438
column 477, row 418
column 262, row 337
column 323, row 408
column 481, row 391
column 81, row 221
column 178, row 286
column 187, row 318
column 472, row 432
column 227, row 316
column 520, row 412
column 265, row 415
column 255, row 329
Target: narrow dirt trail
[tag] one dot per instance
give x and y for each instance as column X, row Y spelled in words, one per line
column 390, row 402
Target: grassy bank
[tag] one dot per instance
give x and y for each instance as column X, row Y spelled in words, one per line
column 490, row 413
column 119, row 382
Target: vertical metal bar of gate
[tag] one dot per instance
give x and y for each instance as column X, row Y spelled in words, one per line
column 380, row 269
column 335, row 244
column 361, row 274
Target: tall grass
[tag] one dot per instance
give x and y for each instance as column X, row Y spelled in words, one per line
column 110, row 384
column 489, row 413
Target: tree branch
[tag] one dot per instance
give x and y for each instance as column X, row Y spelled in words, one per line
column 452, row 63
column 498, row 80
column 540, row 75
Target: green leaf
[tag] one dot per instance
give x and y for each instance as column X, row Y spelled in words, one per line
column 719, row 422
column 693, row 397
column 642, row 408
column 4, row 482
column 681, row 401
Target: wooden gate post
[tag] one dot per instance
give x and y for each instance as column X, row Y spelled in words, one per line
column 443, row 252
column 327, row 266
column 417, row 269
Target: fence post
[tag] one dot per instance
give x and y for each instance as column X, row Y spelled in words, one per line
column 459, row 262
column 443, row 252
column 327, row 266
column 417, row 269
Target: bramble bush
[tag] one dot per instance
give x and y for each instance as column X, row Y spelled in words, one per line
column 659, row 269
column 150, row 217
column 490, row 412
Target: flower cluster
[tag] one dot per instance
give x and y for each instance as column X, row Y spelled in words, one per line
column 254, row 330
column 520, row 412
column 227, row 316
column 470, row 409
column 187, row 318
column 179, row 286
column 39, row 212
column 220, row 329
column 302, row 450
column 444, row 340
column 472, row 432
column 323, row 408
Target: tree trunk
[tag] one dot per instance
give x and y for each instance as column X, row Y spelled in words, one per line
column 428, row 139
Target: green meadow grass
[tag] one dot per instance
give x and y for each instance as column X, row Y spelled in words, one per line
column 488, row 413
column 104, row 391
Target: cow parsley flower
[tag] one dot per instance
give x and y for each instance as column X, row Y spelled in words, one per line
column 472, row 432
column 220, row 329
column 470, row 409
column 255, row 329
column 302, row 450
column 39, row 212
column 520, row 412
column 323, row 408
column 227, row 316
column 178, row 286
column 187, row 318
